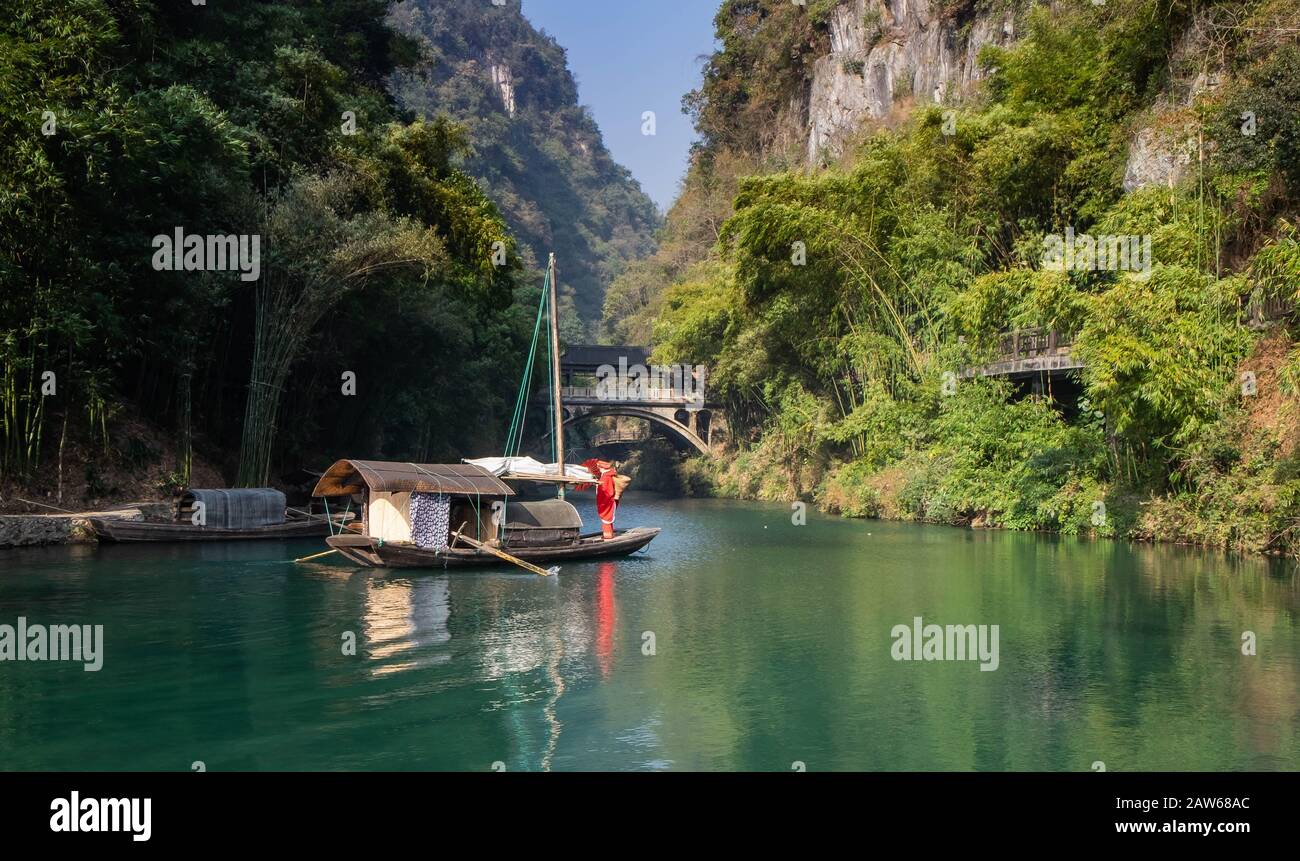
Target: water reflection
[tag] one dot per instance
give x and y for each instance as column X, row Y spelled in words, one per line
column 606, row 618
column 405, row 622
column 773, row 646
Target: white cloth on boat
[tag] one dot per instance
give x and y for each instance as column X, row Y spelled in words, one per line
column 500, row 466
column 430, row 520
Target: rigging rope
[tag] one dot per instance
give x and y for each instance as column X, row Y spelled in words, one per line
column 515, row 437
column 514, row 440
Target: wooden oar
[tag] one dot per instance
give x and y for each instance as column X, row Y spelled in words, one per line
column 527, row 566
column 317, row 556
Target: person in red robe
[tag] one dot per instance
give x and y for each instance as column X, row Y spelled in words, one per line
column 606, row 494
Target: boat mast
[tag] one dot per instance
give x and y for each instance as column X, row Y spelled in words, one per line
column 556, row 402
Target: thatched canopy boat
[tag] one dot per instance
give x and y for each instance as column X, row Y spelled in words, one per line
column 412, row 515
column 455, row 515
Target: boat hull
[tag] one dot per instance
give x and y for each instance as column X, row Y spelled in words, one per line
column 372, row 553
column 140, row 531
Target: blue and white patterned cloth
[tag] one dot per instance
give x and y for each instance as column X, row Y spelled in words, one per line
column 430, row 520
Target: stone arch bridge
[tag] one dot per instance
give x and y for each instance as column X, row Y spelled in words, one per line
column 601, row 381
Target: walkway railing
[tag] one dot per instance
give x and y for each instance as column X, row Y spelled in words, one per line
column 1259, row 312
column 1033, row 343
column 1032, row 351
column 594, row 394
column 618, row 437
column 1025, row 352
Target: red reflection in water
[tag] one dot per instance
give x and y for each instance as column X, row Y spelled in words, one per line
column 606, row 613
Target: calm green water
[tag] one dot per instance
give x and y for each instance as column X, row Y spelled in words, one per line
column 772, row 646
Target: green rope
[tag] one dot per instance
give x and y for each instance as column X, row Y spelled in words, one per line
column 514, row 439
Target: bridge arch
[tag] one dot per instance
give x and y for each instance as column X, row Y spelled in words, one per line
column 681, row 431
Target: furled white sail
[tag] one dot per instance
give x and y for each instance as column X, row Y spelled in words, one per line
column 527, row 467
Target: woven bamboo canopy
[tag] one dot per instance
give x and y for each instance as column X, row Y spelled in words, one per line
column 354, row 476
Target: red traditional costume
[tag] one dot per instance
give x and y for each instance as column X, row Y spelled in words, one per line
column 606, row 503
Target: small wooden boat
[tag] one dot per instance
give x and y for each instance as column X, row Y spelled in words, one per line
column 418, row 515
column 411, row 514
column 222, row 515
column 373, row 553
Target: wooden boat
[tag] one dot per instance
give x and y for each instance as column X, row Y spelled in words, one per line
column 417, row 515
column 226, row 515
column 371, row 553
column 476, row 503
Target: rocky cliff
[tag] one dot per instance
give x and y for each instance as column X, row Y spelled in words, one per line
column 884, row 51
column 538, row 152
column 884, row 54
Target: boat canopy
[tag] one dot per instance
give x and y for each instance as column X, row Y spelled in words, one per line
column 250, row 508
column 543, row 514
column 355, row 476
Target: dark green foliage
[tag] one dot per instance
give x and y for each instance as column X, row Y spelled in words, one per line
column 1270, row 92
column 212, row 118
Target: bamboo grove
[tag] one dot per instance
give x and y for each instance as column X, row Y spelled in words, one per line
column 839, row 305
column 122, row 120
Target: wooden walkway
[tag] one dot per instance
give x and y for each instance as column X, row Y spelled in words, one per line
column 1027, row 353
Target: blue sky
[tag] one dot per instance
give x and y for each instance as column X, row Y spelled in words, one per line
column 633, row 56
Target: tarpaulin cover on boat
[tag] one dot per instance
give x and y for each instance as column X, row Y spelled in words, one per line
column 541, row 522
column 354, row 476
column 543, row 514
column 237, row 509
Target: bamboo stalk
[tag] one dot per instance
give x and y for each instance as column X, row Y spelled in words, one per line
column 43, row 505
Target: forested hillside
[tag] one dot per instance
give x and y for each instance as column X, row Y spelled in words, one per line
column 839, row 301
column 125, row 121
column 537, row 152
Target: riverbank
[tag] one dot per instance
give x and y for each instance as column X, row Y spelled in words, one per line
column 36, row 530
column 1251, row 512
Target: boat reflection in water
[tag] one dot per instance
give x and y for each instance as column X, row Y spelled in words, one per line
column 528, row 652
column 405, row 623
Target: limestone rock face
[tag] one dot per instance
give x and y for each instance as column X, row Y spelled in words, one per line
column 1164, row 147
column 1152, row 160
column 504, row 80
column 882, row 50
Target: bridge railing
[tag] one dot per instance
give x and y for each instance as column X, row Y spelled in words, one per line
column 1027, row 351
column 594, row 393
column 1261, row 310
column 616, row 437
column 1032, row 344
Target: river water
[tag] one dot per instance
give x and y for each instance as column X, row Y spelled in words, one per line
column 738, row 641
